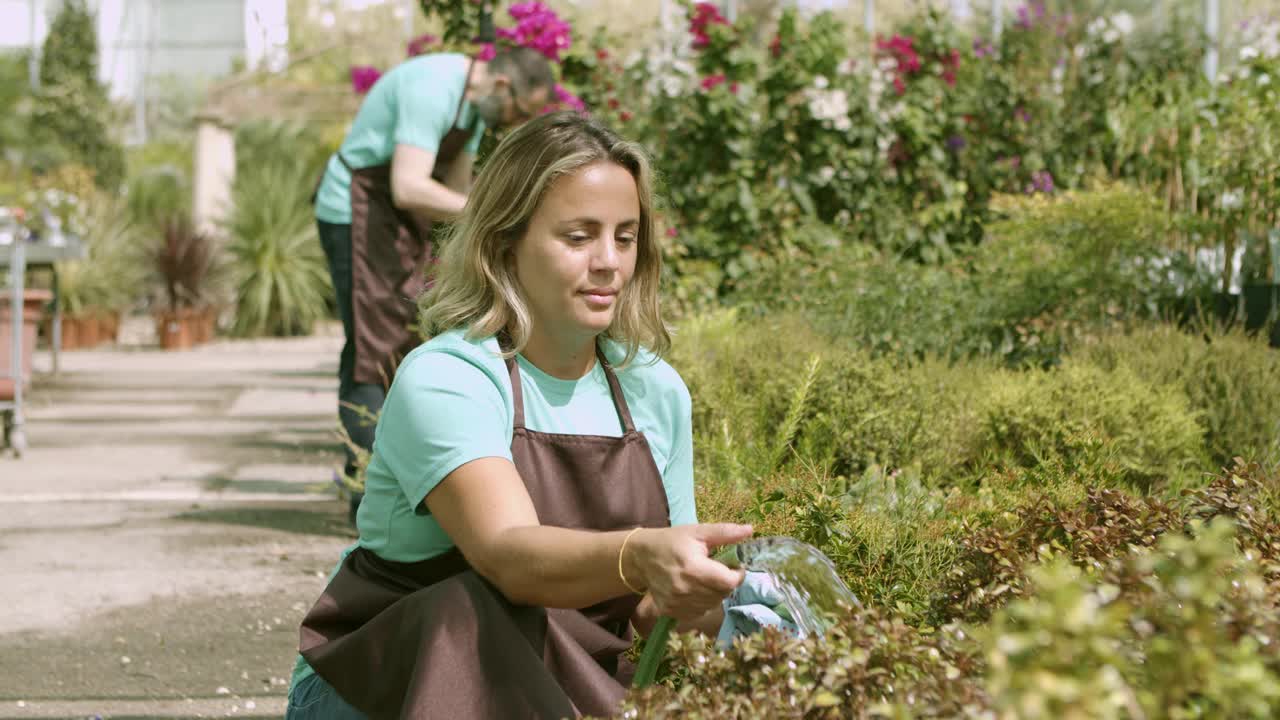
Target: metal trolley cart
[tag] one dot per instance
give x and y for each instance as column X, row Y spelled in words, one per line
column 18, row 253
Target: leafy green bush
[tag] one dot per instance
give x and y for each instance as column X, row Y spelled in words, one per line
column 275, row 264
column 71, row 112
column 1147, row 637
column 1140, row 433
column 770, row 392
column 115, row 269
column 869, row 665
column 1053, row 272
column 1105, row 605
column 1232, row 382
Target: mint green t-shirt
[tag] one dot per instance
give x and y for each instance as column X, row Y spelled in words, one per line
column 450, row 403
column 414, row 103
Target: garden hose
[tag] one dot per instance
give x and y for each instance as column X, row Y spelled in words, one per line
column 655, row 646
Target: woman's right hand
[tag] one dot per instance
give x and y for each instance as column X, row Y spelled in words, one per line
column 676, row 566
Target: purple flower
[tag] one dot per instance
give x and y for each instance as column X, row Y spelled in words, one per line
column 1041, row 181
column 363, row 78
column 1022, row 115
column 1024, row 18
column 982, row 48
column 955, row 143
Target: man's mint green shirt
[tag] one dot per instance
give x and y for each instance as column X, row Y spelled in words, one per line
column 451, row 403
column 412, row 104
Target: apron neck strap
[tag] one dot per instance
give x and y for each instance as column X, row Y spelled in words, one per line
column 517, row 393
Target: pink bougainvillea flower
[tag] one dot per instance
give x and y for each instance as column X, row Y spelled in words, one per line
column 711, row 81
column 705, row 14
column 421, row 45
column 538, row 27
column 671, row 232
column 486, row 52
column 564, row 97
column 902, row 49
column 625, row 116
column 363, row 78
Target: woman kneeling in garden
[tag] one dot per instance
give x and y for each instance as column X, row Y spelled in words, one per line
column 529, row 500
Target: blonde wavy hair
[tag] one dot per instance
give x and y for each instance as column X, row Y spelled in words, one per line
column 475, row 285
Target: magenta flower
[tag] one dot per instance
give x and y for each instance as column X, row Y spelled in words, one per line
column 363, row 78
column 564, row 97
column 538, row 27
column 420, row 45
column 982, row 48
column 486, row 52
column 711, row 81
column 705, row 14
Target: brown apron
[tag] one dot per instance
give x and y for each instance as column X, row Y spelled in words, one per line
column 433, row 639
column 390, row 250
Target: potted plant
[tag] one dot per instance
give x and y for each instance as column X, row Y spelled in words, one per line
column 95, row 291
column 184, row 260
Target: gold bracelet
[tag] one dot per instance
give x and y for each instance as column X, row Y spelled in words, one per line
column 620, row 551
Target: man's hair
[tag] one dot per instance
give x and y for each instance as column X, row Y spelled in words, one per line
column 475, row 285
column 527, row 68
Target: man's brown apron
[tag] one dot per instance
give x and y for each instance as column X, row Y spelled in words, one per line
column 433, row 639
column 390, row 250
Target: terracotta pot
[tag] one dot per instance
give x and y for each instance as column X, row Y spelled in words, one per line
column 109, row 326
column 204, row 319
column 82, row 331
column 33, row 302
column 177, row 329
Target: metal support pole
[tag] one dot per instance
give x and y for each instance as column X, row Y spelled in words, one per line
column 869, row 17
column 997, row 21
column 17, row 320
column 1211, row 40
column 33, row 58
column 55, row 341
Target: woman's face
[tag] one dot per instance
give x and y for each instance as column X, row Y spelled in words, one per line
column 579, row 251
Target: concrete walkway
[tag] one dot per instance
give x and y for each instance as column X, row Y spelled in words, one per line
column 168, row 527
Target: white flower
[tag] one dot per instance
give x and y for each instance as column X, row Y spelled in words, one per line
column 1096, row 27
column 1248, row 53
column 1264, row 79
column 843, row 123
column 1123, row 22
column 1231, row 199
column 820, row 82
column 1056, row 77
column 1078, row 52
column 826, row 174
column 828, row 104
column 1110, row 36
column 847, row 66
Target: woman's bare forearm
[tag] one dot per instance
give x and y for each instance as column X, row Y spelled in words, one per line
column 558, row 567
